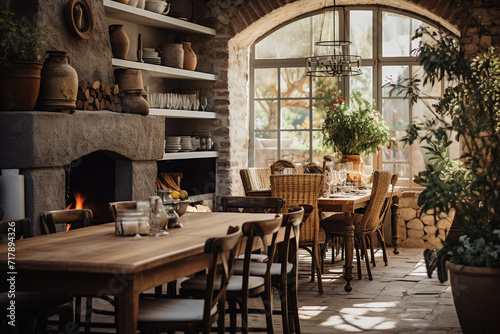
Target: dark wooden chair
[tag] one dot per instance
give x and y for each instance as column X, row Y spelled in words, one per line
column 196, row 315
column 364, row 223
column 124, row 205
column 68, row 219
column 252, row 204
column 244, row 286
column 284, row 273
column 32, row 308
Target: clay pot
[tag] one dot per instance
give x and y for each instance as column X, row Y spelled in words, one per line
column 133, row 102
column 59, row 84
column 190, row 60
column 119, row 41
column 172, row 55
column 122, row 1
column 19, row 86
column 355, row 159
column 128, row 79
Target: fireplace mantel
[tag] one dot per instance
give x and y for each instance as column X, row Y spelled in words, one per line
column 41, row 144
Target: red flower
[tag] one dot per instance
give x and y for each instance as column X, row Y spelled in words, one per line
column 360, row 143
column 340, row 100
column 334, row 106
column 388, row 147
column 393, row 141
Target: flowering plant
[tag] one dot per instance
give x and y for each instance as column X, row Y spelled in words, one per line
column 358, row 129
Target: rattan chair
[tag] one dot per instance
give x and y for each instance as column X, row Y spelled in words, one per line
column 278, row 166
column 365, row 223
column 255, row 178
column 299, row 189
column 196, row 315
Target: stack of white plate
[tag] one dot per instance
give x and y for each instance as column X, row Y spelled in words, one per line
column 195, row 143
column 149, row 55
column 186, row 144
column 172, row 144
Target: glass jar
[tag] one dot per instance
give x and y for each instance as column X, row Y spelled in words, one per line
column 131, row 222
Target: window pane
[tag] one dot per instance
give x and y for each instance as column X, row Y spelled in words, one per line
column 401, row 169
column 396, row 113
column 361, row 33
column 428, row 89
column 396, row 35
column 266, row 148
column 266, row 83
column 323, row 87
column 295, row 114
column 266, row 114
column 396, row 152
column 277, row 44
column 321, row 84
column 363, row 83
column 294, row 82
column 319, row 151
column 392, row 74
column 323, row 31
column 295, row 146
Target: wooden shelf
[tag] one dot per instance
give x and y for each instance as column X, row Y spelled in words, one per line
column 163, row 71
column 189, row 114
column 148, row 18
column 190, row 155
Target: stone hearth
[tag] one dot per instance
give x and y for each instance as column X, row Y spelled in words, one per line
column 41, row 144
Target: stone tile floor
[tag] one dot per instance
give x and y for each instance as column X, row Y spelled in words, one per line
column 400, row 299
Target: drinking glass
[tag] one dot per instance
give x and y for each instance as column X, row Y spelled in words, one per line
column 332, row 180
column 204, row 102
column 341, row 168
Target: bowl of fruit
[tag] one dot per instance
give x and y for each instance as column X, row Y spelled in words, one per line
column 183, row 203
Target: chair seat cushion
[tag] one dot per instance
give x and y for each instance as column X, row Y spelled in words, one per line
column 34, row 301
column 259, row 269
column 335, row 224
column 235, row 283
column 171, row 310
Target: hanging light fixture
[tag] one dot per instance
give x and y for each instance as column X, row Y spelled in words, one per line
column 332, row 58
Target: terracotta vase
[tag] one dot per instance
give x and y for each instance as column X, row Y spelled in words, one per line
column 122, row 1
column 133, row 102
column 119, row 41
column 476, row 297
column 20, row 85
column 172, row 55
column 356, row 160
column 128, row 79
column 59, row 84
column 190, row 60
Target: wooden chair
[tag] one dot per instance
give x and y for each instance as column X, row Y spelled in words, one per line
column 284, row 270
column 365, row 223
column 300, row 189
column 252, row 204
column 242, row 287
column 196, row 315
column 278, row 166
column 68, row 219
column 32, row 308
column 124, row 205
column 255, row 178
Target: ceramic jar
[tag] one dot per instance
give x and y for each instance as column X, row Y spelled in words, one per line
column 119, row 41
column 172, row 55
column 158, row 222
column 133, row 102
column 59, row 84
column 128, row 78
column 190, row 60
column 20, row 85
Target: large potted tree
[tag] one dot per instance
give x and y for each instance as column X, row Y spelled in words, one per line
column 469, row 111
column 21, row 53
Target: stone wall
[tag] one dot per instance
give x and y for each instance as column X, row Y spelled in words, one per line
column 419, row 229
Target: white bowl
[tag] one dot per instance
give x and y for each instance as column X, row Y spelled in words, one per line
column 156, row 6
column 148, row 49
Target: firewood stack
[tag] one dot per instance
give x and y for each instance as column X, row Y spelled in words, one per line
column 98, row 96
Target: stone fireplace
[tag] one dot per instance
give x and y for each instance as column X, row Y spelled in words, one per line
column 43, row 145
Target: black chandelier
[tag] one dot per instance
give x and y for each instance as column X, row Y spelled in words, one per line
column 332, row 58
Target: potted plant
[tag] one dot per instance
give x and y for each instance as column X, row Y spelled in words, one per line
column 355, row 130
column 469, row 111
column 20, row 62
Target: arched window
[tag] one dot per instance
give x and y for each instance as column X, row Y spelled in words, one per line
column 283, row 121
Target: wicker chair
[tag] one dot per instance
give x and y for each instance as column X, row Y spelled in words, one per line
column 303, row 189
column 255, row 178
column 279, row 165
column 364, row 224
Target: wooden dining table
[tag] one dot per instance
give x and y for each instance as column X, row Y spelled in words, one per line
column 348, row 204
column 92, row 261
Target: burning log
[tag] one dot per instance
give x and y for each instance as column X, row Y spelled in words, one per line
column 98, row 96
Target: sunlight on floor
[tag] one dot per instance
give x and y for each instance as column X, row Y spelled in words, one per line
column 309, row 312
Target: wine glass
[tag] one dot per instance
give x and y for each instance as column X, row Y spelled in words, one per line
column 203, row 103
column 332, row 180
column 341, row 168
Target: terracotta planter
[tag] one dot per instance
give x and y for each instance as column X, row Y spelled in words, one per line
column 355, row 159
column 119, row 41
column 133, row 102
column 476, row 296
column 190, row 60
column 128, row 79
column 59, row 84
column 20, row 85
column 172, row 55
